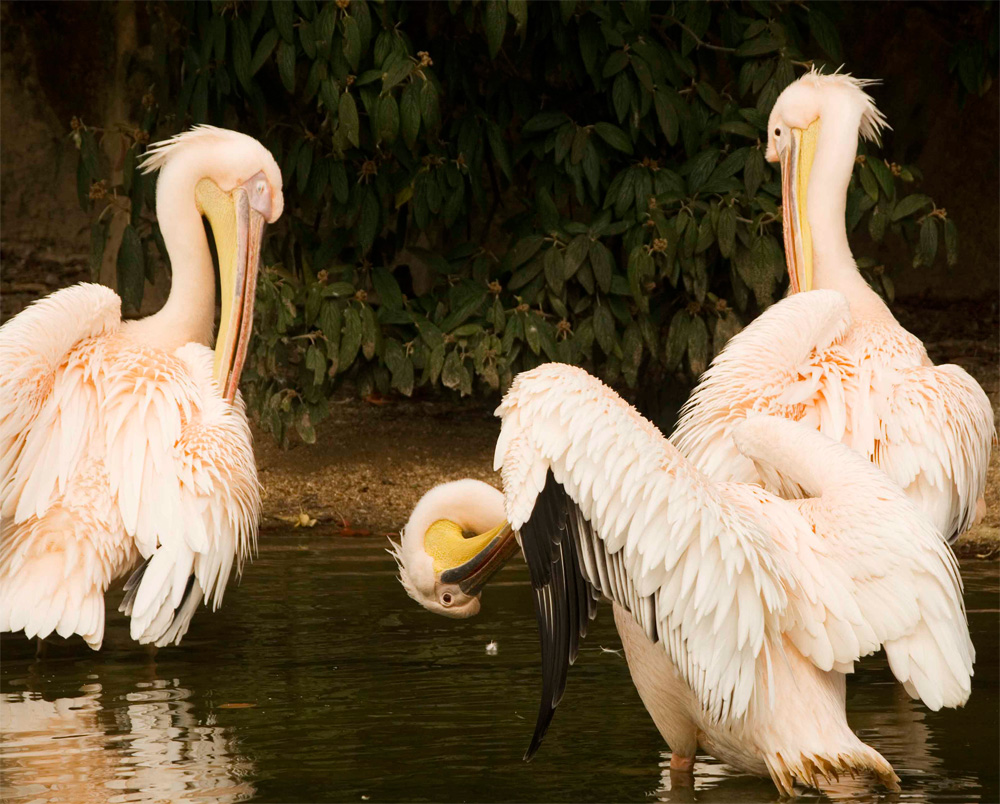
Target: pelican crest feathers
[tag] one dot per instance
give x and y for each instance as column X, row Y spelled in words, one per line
column 873, row 122
column 159, row 154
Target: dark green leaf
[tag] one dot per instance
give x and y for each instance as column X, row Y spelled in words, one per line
column 451, row 371
column 499, row 149
column 282, row 10
column 613, row 136
column 700, row 167
column 554, row 269
column 951, row 242
column 927, row 248
column 524, row 250
column 429, row 108
column 710, row 96
column 348, row 116
column 753, row 171
column 495, row 23
column 726, row 230
column 307, row 38
column 316, row 361
column 409, row 114
column 697, row 346
column 397, row 72
column 616, row 62
column 621, row 95
column 286, row 65
column 666, row 114
column 368, row 220
column 543, row 121
column 677, row 340
column 603, row 264
column 741, row 128
column 241, row 53
column 869, row 182
column 883, row 174
column 604, row 328
column 352, row 42
column 909, row 205
column 387, row 287
column 877, row 222
column 576, row 253
column 759, row 46
column 388, row 119
column 263, row 52
column 350, row 341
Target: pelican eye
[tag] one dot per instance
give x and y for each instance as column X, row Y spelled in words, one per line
column 777, row 132
column 446, row 598
column 261, row 187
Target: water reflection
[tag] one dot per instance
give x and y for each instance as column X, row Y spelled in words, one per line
column 320, row 680
column 145, row 745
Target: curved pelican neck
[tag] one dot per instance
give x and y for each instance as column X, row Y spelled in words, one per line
column 189, row 312
column 834, row 267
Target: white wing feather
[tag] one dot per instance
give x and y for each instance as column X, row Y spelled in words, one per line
column 189, row 493
column 937, row 428
column 870, row 568
column 44, row 392
column 710, row 569
column 770, row 367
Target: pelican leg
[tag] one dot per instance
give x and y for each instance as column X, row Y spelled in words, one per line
column 681, row 763
column 41, row 648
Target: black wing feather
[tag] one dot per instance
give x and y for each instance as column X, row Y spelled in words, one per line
column 564, row 600
column 553, row 539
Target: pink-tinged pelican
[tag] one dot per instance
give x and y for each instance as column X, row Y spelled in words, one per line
column 740, row 612
column 127, row 441
column 844, row 367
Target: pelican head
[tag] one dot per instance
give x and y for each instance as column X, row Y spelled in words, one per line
column 237, row 186
column 795, row 132
column 455, row 540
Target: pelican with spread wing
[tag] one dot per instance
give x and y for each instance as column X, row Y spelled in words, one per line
column 741, row 612
column 125, row 443
column 847, row 369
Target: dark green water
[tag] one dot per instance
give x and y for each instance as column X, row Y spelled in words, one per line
column 320, row 680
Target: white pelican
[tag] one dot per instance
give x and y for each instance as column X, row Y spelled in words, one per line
column 740, row 612
column 123, row 441
column 849, row 369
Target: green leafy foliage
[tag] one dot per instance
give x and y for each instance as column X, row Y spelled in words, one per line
column 474, row 188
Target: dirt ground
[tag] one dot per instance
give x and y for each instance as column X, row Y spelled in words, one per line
column 371, row 463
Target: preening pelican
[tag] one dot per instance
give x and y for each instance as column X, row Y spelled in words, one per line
column 740, row 612
column 846, row 368
column 123, row 442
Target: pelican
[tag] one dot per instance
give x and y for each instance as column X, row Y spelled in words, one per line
column 740, row 612
column 849, row 369
column 125, row 443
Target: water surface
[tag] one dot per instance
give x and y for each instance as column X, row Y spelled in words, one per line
column 319, row 680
